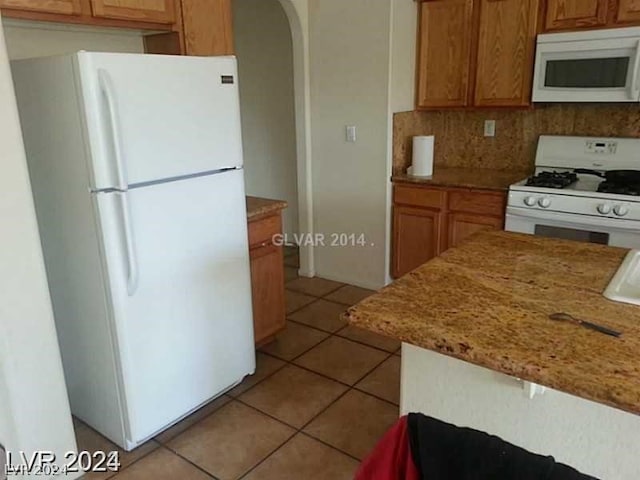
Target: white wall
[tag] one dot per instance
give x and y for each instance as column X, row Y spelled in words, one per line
column 26, row 40
column 349, row 72
column 265, row 62
column 34, row 413
column 594, row 438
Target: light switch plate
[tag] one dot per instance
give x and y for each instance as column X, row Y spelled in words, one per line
column 350, row 133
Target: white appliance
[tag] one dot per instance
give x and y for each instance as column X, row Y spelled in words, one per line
column 588, row 209
column 588, row 66
column 136, row 169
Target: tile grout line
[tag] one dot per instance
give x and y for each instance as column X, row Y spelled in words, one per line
column 330, row 334
column 333, row 290
column 160, row 446
column 319, row 440
column 299, row 430
column 326, row 377
column 337, row 334
column 244, row 475
column 177, row 454
column 289, row 362
column 348, row 389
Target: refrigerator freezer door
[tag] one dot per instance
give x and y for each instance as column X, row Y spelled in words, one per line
column 185, row 329
column 159, row 116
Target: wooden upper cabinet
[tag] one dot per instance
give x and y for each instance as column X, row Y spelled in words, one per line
column 153, row 11
column 445, row 38
column 64, row 7
column 506, row 46
column 628, row 11
column 208, row 28
column 575, row 14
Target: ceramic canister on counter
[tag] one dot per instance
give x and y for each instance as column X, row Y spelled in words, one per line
column 422, row 163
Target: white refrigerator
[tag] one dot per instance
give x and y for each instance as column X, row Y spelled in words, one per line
column 136, row 169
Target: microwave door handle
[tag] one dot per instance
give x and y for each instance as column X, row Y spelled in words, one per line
column 635, row 90
column 106, row 85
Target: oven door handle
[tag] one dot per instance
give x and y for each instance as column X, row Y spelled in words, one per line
column 574, row 220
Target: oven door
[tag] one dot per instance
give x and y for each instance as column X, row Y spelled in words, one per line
column 581, row 228
column 604, row 70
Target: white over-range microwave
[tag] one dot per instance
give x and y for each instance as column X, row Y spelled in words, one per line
column 588, row 66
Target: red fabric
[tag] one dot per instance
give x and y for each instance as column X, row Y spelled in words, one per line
column 391, row 458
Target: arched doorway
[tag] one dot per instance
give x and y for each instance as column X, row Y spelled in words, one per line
column 271, row 44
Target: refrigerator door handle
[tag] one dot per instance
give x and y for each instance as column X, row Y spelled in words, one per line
column 132, row 260
column 107, row 87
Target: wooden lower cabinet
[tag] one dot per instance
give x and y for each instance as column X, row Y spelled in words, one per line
column 267, row 278
column 463, row 225
column 416, row 238
column 429, row 220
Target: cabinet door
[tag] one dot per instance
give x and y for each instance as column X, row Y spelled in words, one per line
column 65, row 7
column 628, row 11
column 444, row 48
column 156, row 11
column 208, row 27
column 463, row 225
column 506, row 46
column 267, row 287
column 574, row 14
column 416, row 237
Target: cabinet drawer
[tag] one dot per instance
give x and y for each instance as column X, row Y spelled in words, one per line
column 419, row 196
column 262, row 231
column 485, row 203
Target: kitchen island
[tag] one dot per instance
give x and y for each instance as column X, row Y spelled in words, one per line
column 484, row 308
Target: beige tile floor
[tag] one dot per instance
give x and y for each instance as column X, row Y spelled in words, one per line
column 322, row 395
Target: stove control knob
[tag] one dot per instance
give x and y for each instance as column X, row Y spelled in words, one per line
column 530, row 201
column 544, row 202
column 621, row 210
column 604, row 209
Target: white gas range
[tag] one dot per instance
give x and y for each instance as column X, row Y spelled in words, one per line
column 583, row 188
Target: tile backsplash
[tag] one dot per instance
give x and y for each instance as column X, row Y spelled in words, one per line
column 459, row 140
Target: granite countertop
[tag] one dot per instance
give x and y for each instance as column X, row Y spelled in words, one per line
column 259, row 207
column 487, row 302
column 483, row 178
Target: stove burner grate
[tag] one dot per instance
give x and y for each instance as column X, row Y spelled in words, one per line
column 552, row 180
column 619, row 188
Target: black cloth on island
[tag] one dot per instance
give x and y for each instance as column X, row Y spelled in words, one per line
column 442, row 451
